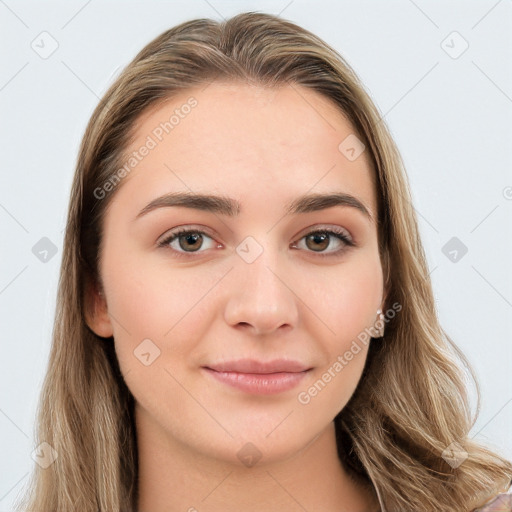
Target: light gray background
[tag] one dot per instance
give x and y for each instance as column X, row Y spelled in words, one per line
column 451, row 118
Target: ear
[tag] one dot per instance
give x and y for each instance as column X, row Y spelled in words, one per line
column 96, row 311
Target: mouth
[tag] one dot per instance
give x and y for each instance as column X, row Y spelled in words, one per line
column 258, row 377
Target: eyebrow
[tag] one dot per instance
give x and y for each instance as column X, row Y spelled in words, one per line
column 231, row 207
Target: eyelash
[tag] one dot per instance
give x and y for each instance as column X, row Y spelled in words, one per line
column 340, row 235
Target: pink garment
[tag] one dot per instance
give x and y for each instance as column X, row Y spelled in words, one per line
column 500, row 503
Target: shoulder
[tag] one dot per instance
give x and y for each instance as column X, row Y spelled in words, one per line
column 502, row 502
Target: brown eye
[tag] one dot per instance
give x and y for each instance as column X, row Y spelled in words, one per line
column 190, row 240
column 318, row 241
column 186, row 241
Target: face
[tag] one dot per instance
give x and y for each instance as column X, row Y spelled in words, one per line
column 224, row 332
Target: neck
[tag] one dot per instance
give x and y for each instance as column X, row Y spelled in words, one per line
column 175, row 477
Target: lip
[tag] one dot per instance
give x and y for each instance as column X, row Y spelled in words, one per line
column 259, row 377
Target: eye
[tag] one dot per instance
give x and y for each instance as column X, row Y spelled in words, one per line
column 321, row 239
column 185, row 241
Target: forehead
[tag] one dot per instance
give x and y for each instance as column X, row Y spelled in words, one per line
column 246, row 141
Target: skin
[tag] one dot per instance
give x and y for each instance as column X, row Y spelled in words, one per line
column 263, row 147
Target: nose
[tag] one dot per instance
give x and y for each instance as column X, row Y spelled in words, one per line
column 262, row 300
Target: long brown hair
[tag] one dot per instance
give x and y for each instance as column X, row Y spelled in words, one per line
column 411, row 403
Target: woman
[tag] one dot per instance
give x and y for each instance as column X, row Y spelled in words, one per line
column 245, row 317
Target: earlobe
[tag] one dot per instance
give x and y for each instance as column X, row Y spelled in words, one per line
column 96, row 311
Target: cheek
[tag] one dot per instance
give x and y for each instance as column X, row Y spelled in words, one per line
column 347, row 303
column 346, row 298
column 150, row 300
column 136, row 301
